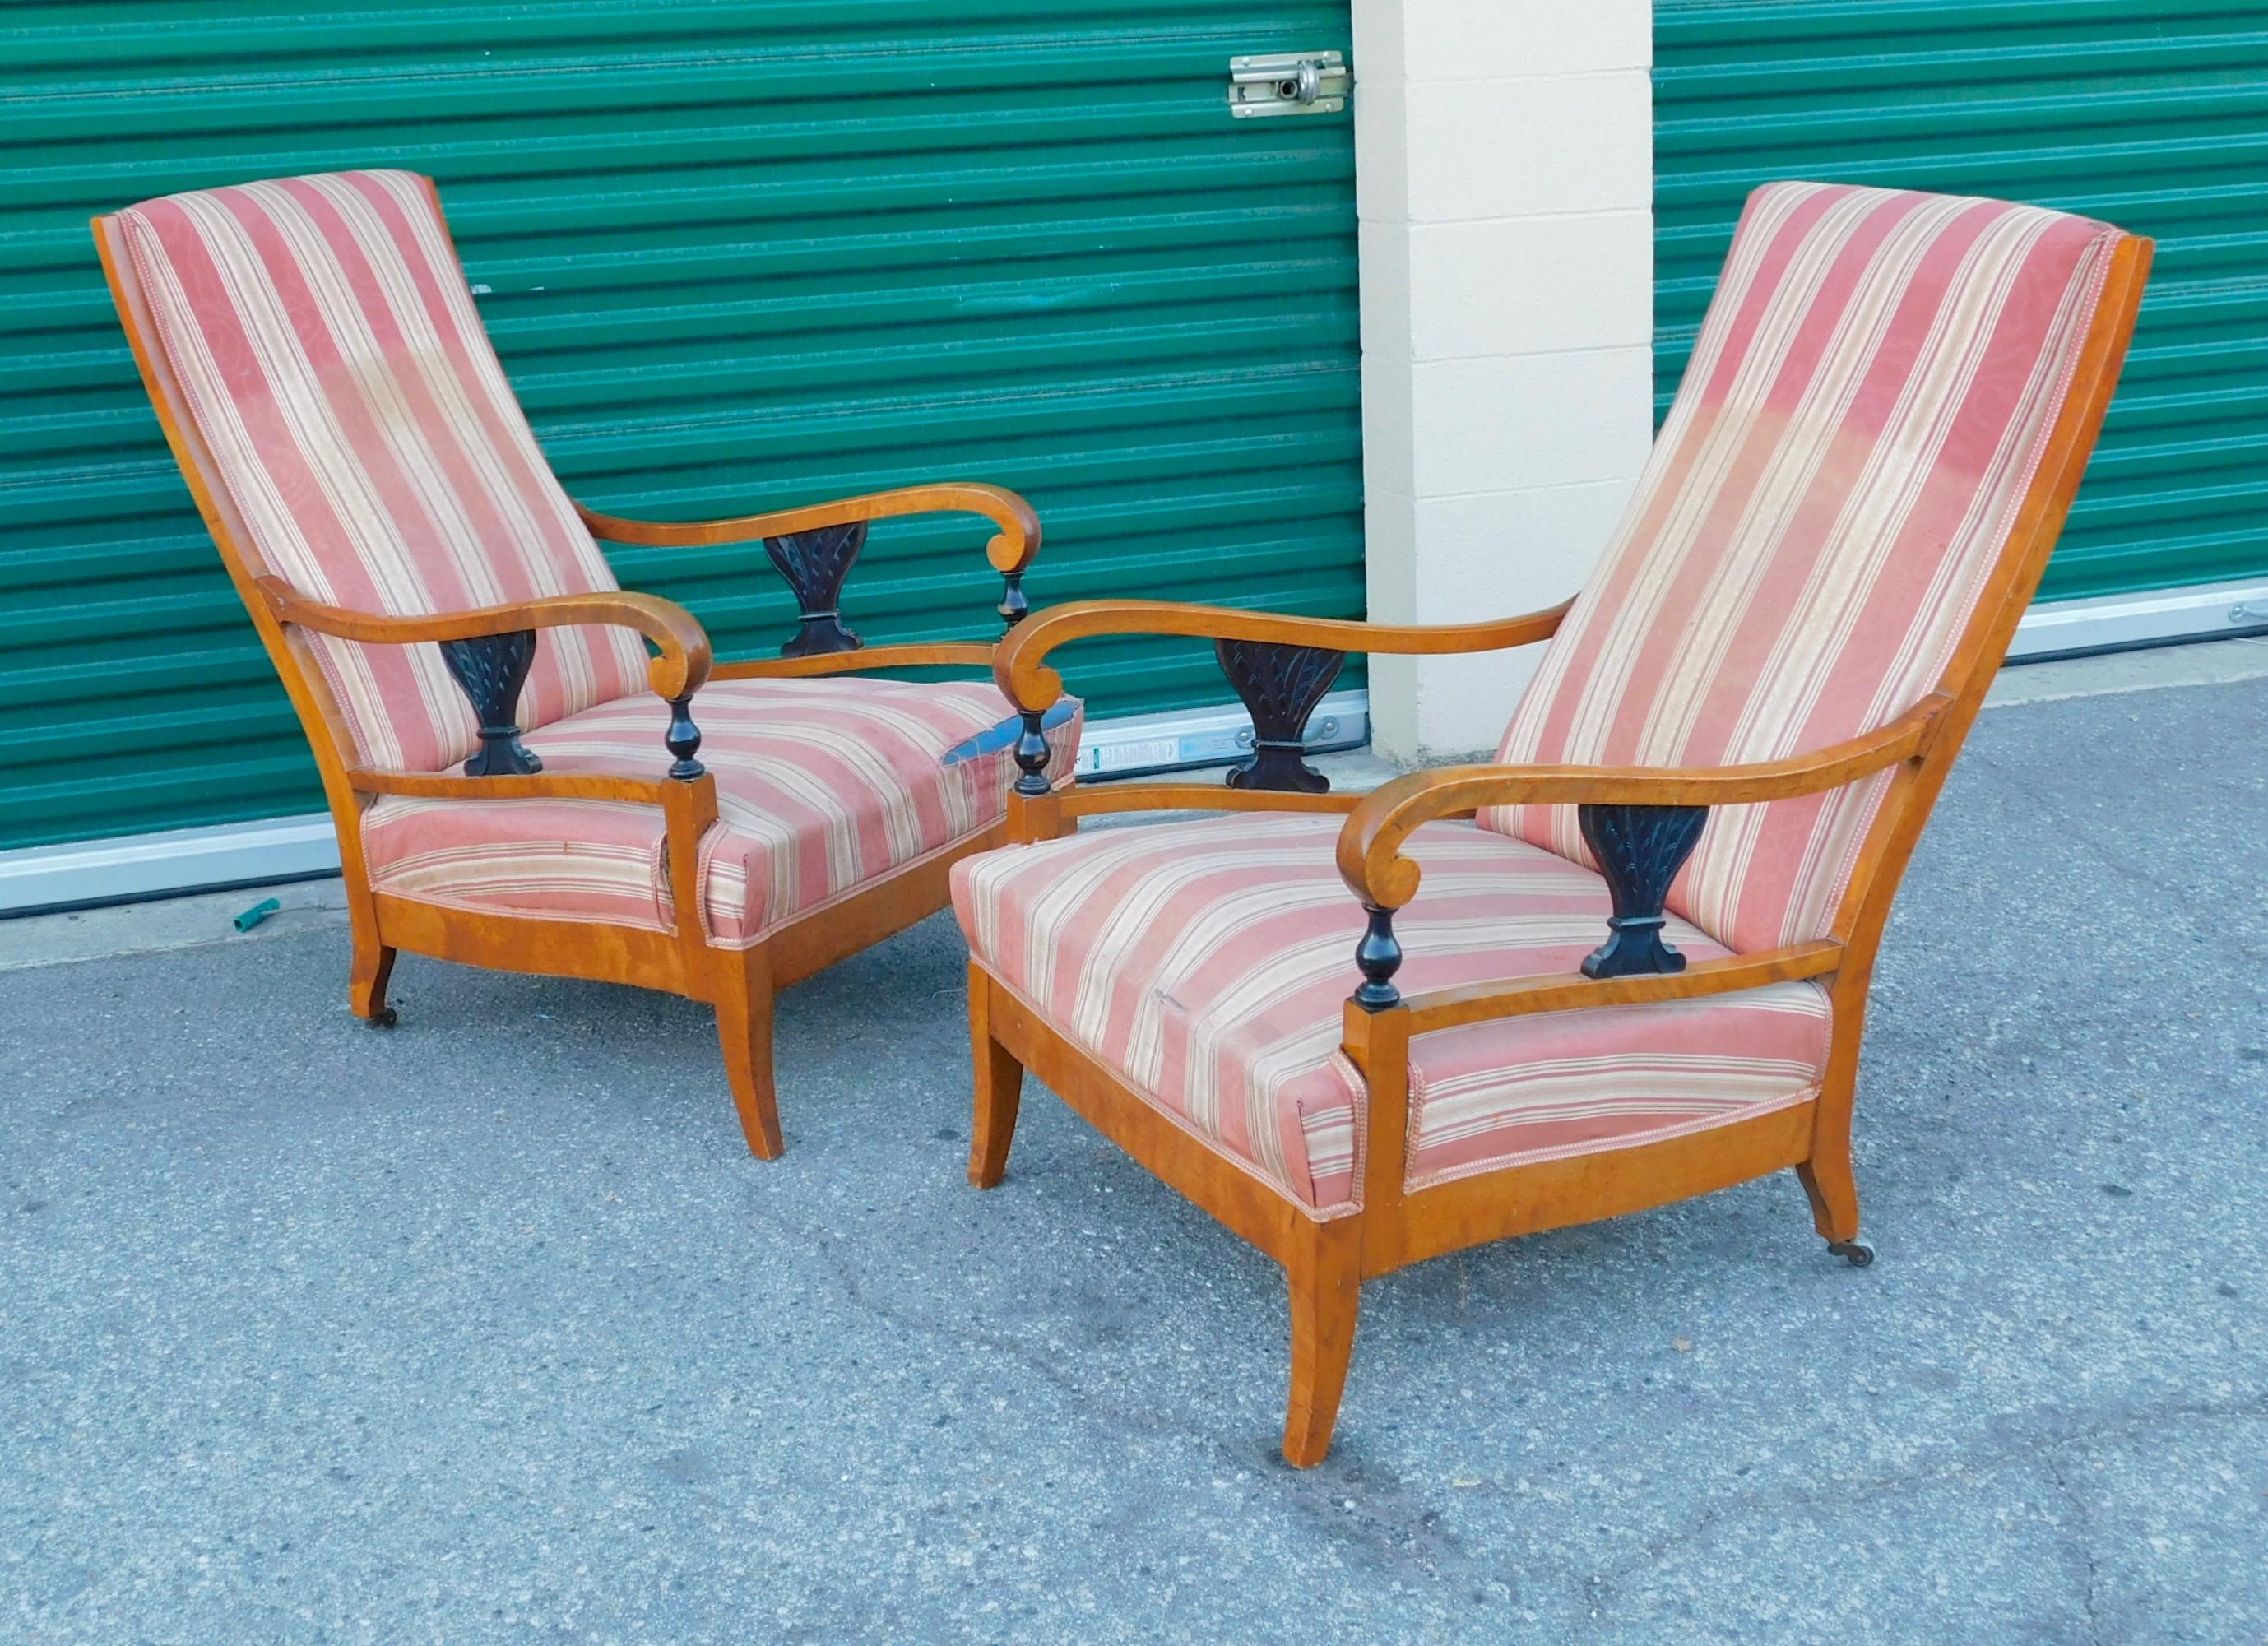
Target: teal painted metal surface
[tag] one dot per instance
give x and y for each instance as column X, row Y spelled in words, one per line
column 734, row 256
column 2154, row 116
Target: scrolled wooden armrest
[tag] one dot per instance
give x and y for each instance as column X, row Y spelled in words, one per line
column 678, row 673
column 1370, row 858
column 1016, row 546
column 1030, row 685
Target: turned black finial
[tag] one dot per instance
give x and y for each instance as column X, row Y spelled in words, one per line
column 683, row 739
column 1014, row 605
column 814, row 563
column 1280, row 685
column 1032, row 753
column 492, row 669
column 1639, row 850
column 1379, row 956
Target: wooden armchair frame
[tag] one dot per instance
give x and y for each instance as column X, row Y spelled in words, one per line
column 1326, row 1260
column 739, row 983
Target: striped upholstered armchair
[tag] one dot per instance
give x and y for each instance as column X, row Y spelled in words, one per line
column 1627, row 963
column 434, row 601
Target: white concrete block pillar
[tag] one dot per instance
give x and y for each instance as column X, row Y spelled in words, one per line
column 1505, row 184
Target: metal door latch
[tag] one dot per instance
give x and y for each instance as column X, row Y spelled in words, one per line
column 1291, row 83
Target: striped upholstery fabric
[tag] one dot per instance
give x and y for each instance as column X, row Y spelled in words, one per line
column 333, row 362
column 822, row 785
column 1865, row 406
column 1208, row 962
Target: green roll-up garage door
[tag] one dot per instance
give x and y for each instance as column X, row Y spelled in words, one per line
column 2152, row 115
column 735, row 255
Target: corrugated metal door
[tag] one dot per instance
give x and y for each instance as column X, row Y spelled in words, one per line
column 2154, row 116
column 735, row 255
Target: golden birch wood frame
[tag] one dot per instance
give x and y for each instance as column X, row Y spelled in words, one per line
column 1325, row 1260
column 739, row 983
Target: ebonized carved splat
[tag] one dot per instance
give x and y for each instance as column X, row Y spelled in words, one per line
column 814, row 563
column 1280, row 685
column 1639, row 850
column 491, row 669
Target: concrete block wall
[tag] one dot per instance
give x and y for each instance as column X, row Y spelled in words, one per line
column 1504, row 156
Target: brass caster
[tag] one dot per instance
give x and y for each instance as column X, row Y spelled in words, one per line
column 1857, row 1253
column 383, row 1018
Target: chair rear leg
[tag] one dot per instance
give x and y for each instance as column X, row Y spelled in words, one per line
column 372, row 967
column 1827, row 1178
column 744, row 1029
column 1000, row 1088
column 1325, row 1272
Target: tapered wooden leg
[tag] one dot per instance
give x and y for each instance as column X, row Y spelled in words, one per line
column 744, row 1028
column 1325, row 1272
column 1826, row 1176
column 372, row 965
column 1000, row 1088
column 1834, row 1193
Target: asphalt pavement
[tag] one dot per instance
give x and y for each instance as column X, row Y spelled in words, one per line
column 490, row 1329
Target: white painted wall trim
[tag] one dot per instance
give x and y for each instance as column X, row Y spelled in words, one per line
column 2205, row 612
column 133, row 866
column 1128, row 745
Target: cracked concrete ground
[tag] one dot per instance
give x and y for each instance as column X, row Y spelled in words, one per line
column 488, row 1329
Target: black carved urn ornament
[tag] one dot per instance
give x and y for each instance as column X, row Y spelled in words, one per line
column 492, row 669
column 1639, row 850
column 815, row 563
column 1280, row 685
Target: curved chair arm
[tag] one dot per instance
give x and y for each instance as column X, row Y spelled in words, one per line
column 1640, row 823
column 489, row 652
column 679, row 672
column 1369, row 857
column 1016, row 546
column 1032, row 687
column 1281, row 666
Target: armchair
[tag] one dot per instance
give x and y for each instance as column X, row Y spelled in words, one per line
column 473, row 682
column 1629, row 963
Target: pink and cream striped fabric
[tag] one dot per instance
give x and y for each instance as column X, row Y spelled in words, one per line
column 1207, row 961
column 822, row 785
column 334, row 363
column 1865, row 406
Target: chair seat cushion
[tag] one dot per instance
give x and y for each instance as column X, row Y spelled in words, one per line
column 822, row 786
column 1208, row 962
